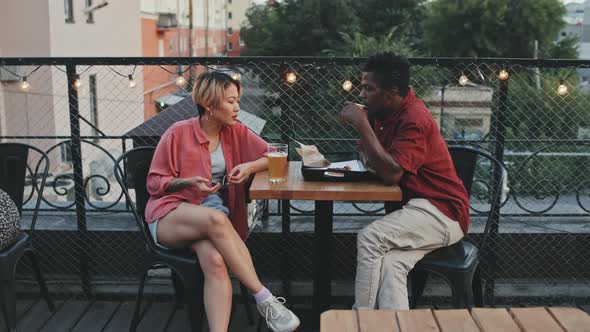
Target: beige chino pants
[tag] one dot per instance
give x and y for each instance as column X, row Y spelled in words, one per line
column 389, row 248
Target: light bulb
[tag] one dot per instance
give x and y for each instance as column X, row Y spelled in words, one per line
column 503, row 75
column 235, row 75
column 180, row 80
column 132, row 83
column 347, row 85
column 77, row 82
column 290, row 77
column 463, row 80
column 25, row 86
column 562, row 89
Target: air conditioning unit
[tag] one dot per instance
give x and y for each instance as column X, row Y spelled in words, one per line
column 6, row 73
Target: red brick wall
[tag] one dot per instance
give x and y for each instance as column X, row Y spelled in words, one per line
column 234, row 38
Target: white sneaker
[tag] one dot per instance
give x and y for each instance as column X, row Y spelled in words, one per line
column 278, row 317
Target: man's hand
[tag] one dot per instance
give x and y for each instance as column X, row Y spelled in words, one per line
column 353, row 113
column 240, row 173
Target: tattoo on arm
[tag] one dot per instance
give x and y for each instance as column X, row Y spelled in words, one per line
column 177, row 185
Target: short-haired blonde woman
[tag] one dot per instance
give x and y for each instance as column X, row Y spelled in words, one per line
column 186, row 210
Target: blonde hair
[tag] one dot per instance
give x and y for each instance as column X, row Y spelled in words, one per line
column 210, row 89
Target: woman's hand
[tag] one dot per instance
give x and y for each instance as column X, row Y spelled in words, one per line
column 240, row 173
column 202, row 185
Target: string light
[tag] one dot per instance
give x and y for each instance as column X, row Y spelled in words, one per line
column 463, row 80
column 25, row 86
column 347, row 85
column 132, row 83
column 562, row 88
column 180, row 81
column 289, row 75
column 77, row 82
column 503, row 75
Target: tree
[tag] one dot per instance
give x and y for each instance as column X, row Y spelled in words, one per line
column 542, row 113
column 357, row 44
column 377, row 18
column 297, row 27
column 307, row 27
column 566, row 48
column 493, row 28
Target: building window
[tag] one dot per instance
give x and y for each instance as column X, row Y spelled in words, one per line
column 229, row 2
column 69, row 11
column 171, row 45
column 241, row 42
column 167, row 20
column 230, row 31
column 230, row 46
column 66, row 151
column 90, row 15
column 93, row 105
column 229, row 15
column 160, row 47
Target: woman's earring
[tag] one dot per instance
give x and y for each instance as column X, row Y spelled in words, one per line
column 210, row 115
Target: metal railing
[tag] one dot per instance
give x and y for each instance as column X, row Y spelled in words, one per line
column 529, row 121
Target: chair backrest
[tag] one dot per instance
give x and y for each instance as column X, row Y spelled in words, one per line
column 465, row 160
column 14, row 163
column 131, row 171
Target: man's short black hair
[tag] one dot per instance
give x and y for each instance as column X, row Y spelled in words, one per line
column 390, row 70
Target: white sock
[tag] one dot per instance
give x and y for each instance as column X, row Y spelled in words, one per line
column 263, row 295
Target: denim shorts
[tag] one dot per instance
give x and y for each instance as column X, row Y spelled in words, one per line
column 213, row 201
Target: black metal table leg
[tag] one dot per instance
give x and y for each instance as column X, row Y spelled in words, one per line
column 322, row 285
column 286, row 235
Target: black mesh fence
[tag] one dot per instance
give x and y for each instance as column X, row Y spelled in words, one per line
column 84, row 113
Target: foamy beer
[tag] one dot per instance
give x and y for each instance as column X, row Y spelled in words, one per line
column 277, row 162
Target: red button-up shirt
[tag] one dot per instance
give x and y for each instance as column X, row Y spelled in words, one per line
column 183, row 152
column 412, row 138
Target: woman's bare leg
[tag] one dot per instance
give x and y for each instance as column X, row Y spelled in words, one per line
column 189, row 223
column 218, row 288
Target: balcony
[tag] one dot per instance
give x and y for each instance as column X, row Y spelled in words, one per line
column 90, row 246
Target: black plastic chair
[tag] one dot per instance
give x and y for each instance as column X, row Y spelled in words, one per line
column 187, row 276
column 459, row 264
column 14, row 159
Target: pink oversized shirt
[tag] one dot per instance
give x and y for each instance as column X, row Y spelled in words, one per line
column 183, row 152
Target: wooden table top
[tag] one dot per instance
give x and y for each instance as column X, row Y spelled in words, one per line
column 478, row 319
column 297, row 189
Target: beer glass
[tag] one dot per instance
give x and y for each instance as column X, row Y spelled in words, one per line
column 277, row 162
